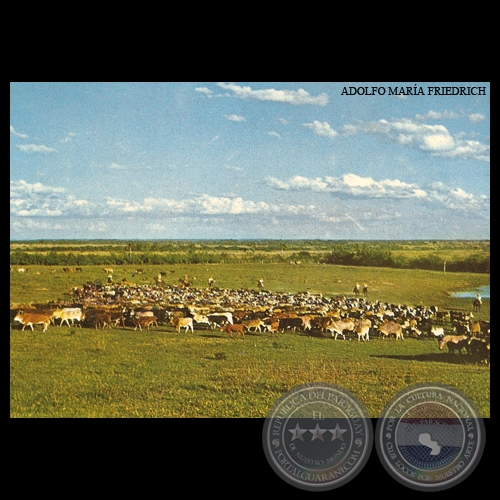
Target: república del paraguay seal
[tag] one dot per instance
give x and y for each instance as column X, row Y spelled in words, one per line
column 317, row 436
column 430, row 437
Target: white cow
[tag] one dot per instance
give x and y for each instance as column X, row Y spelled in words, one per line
column 179, row 323
column 201, row 319
column 437, row 331
column 362, row 328
column 68, row 313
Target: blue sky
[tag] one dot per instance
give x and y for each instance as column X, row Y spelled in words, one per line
column 280, row 160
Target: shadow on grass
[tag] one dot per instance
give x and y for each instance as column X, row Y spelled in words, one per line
column 226, row 336
column 455, row 359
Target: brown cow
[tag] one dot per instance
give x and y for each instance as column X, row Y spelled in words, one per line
column 30, row 319
column 479, row 328
column 391, row 328
column 321, row 322
column 237, row 328
column 146, row 321
column 337, row 327
column 103, row 320
column 252, row 323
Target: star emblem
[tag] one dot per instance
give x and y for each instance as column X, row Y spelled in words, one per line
column 337, row 432
column 297, row 433
column 317, row 433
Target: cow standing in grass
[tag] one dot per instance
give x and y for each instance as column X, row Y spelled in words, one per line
column 30, row 319
column 454, row 343
column 179, row 323
column 67, row 314
column 238, row 328
column 391, row 328
column 146, row 321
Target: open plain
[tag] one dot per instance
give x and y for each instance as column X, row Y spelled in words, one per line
column 73, row 371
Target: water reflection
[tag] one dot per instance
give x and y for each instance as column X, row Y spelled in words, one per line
column 484, row 291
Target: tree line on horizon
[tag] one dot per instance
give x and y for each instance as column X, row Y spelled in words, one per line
column 349, row 254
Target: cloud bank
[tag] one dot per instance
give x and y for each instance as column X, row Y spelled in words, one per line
column 296, row 97
column 433, row 139
column 354, row 186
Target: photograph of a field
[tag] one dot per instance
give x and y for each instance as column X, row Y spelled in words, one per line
column 198, row 249
column 81, row 371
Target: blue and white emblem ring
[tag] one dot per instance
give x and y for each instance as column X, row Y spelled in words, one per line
column 430, row 437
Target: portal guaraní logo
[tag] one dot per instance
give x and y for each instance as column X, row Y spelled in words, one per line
column 317, row 437
column 430, row 437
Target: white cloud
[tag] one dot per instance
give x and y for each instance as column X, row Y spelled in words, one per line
column 235, row 118
column 353, row 180
column 434, row 139
column 23, row 188
column 473, row 150
column 274, row 134
column 231, row 167
column 38, row 200
column 437, row 142
column 204, row 90
column 39, row 208
column 202, row 205
column 28, row 224
column 476, row 117
column 321, row 128
column 296, row 97
column 355, row 186
column 17, row 134
column 35, row 148
column 116, row 166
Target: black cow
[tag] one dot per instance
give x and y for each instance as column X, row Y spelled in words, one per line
column 290, row 323
column 479, row 350
column 217, row 320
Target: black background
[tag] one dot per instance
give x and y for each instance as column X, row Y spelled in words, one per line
column 186, row 457
column 372, row 482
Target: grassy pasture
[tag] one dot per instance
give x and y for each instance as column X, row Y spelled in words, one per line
column 78, row 372
column 72, row 372
column 399, row 286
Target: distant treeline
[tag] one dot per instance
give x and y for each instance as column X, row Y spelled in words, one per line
column 172, row 246
column 373, row 257
column 474, row 259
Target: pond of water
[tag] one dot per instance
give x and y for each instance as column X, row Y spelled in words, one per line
column 484, row 291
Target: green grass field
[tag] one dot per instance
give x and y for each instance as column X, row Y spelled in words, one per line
column 79, row 372
column 72, row 372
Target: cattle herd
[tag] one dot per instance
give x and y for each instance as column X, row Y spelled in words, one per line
column 237, row 312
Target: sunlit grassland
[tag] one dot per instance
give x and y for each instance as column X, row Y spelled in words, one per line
column 398, row 286
column 73, row 372
column 79, row 372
